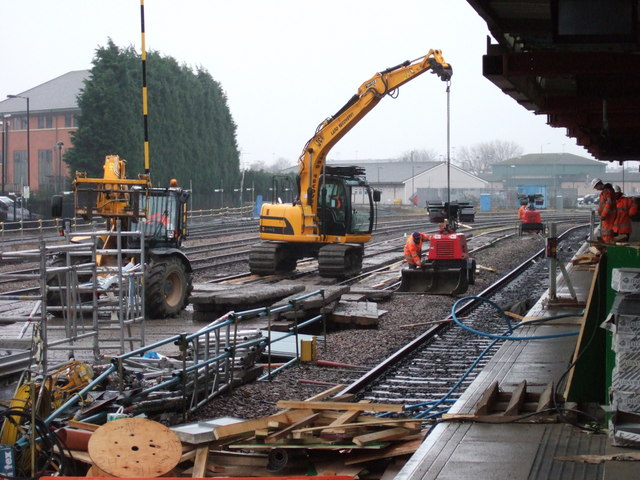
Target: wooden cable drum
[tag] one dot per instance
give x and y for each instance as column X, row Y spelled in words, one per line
column 135, row 447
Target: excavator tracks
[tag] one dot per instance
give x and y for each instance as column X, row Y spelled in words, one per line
column 339, row 260
column 269, row 258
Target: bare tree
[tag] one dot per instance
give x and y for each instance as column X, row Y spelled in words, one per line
column 275, row 167
column 421, row 155
column 479, row 158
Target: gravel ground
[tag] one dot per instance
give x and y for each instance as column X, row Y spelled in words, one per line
column 365, row 347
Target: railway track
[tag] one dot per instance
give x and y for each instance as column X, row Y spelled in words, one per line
column 432, row 371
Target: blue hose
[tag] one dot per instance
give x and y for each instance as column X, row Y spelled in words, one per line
column 511, row 328
column 427, row 413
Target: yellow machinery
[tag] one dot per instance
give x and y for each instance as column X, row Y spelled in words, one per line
column 159, row 212
column 323, row 221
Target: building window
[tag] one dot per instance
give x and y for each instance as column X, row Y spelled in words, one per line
column 69, row 120
column 20, row 167
column 20, row 123
column 45, row 121
column 45, row 168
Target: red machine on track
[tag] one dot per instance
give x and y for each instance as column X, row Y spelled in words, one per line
column 448, row 269
column 531, row 221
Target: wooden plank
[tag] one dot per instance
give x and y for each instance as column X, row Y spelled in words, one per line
column 200, row 463
column 327, row 393
column 397, row 449
column 404, row 422
column 577, row 352
column 469, row 417
column 488, row 397
column 517, row 399
column 277, row 436
column 313, row 446
column 233, row 429
column 76, row 455
column 373, row 407
column 92, row 427
column 381, row 436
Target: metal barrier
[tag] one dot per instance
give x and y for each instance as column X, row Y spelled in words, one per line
column 80, row 304
column 209, row 362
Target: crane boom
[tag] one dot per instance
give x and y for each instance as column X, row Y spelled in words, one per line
column 331, row 130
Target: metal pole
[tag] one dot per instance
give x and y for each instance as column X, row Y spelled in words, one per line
column 553, row 260
column 5, row 146
column 60, row 182
column 28, row 150
column 448, row 144
column 4, row 156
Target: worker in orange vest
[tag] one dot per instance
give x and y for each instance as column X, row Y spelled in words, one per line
column 521, row 210
column 606, row 209
column 625, row 208
column 413, row 249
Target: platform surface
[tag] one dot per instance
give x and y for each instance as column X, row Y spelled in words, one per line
column 481, row 451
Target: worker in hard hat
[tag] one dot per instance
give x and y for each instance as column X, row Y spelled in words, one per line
column 413, row 249
column 606, row 208
column 173, row 183
column 625, row 208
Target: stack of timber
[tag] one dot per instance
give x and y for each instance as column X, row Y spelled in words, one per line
column 211, row 301
column 357, row 314
column 321, row 436
column 310, row 307
column 588, row 259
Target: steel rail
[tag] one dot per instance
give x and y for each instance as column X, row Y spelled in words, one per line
column 380, row 369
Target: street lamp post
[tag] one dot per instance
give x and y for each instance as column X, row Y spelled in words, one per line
column 60, row 183
column 28, row 191
column 5, row 149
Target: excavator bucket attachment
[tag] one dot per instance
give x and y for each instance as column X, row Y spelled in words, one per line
column 434, row 281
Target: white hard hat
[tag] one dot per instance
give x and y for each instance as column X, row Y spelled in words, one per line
column 595, row 182
column 617, row 189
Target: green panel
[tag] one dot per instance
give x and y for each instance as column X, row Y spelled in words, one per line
column 588, row 382
column 617, row 257
column 592, row 375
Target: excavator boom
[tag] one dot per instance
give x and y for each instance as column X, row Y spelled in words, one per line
column 330, row 131
column 324, row 222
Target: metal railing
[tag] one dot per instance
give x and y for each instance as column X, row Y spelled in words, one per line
column 211, row 361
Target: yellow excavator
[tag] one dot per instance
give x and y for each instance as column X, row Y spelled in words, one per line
column 323, row 221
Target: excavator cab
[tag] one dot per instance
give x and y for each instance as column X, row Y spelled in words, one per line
column 338, row 213
column 447, row 269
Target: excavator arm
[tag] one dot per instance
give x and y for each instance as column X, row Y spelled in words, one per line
column 330, row 131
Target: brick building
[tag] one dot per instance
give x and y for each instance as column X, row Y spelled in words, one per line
column 49, row 111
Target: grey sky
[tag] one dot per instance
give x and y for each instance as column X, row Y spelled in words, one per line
column 285, row 65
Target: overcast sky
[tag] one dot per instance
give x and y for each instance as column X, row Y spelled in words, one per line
column 285, row 65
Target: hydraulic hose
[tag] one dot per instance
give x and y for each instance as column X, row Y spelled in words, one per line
column 427, row 414
column 510, row 327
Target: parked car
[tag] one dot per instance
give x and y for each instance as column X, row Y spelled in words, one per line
column 588, row 199
column 14, row 211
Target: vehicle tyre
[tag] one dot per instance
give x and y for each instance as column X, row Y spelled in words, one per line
column 167, row 287
column 471, row 271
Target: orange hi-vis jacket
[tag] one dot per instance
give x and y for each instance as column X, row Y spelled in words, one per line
column 607, row 212
column 413, row 250
column 521, row 211
column 625, row 206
